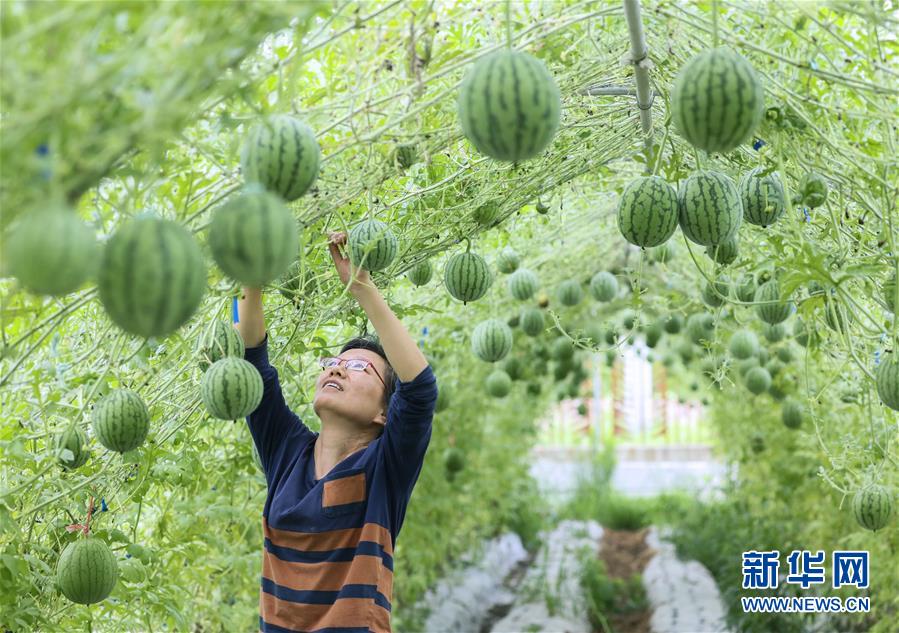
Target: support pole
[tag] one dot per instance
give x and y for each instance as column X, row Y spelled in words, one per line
column 639, row 58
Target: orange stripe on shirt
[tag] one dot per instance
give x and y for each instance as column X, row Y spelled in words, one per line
column 329, row 539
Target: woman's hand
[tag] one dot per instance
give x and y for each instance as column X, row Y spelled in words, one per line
column 362, row 279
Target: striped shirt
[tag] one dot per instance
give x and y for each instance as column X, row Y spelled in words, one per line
column 327, row 558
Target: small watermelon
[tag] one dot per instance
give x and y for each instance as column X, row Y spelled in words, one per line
column 802, row 335
column 653, row 335
column 405, row 155
column 87, row 571
column 542, row 209
column 486, row 214
column 534, row 388
column 121, row 421
column 453, row 460
column 673, row 323
column 757, row 442
column 744, row 366
column 717, row 100
column 700, row 327
column 532, row 321
column 763, row 197
column 887, row 379
column 373, row 246
column 835, row 316
column 813, row 190
column 217, row 342
column 647, row 211
column 421, row 273
column 514, row 367
column 509, row 105
column 785, row 354
column 873, row 507
column 467, row 276
column 710, row 211
column 231, row 389
column 569, row 292
column 772, row 309
column 743, row 344
column 791, row 413
column 282, row 155
column 662, row 254
column 74, row 439
column 562, row 350
column 758, row 380
column 715, row 294
column 889, row 292
column 499, row 384
column 152, row 276
column 297, row 282
column 443, row 397
column 724, row 253
column 51, row 251
column 774, row 333
column 523, row 283
column 513, row 321
column 491, row 340
column 745, row 289
column 507, row 261
column 604, row 286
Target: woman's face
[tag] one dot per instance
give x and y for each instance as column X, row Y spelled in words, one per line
column 350, row 394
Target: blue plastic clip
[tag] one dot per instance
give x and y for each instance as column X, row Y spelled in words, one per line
column 808, row 216
column 876, row 357
column 424, row 330
column 103, row 506
column 235, row 318
column 759, row 144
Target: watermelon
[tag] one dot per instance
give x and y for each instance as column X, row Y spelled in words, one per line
column 507, row 261
column 744, row 366
column 775, row 332
column 594, row 334
column 686, row 351
column 513, row 367
column 700, row 327
column 887, row 379
column 611, row 336
column 373, row 245
column 87, row 571
column 562, row 350
column 509, row 105
column 889, row 292
column 653, row 335
column 443, row 397
column 491, row 340
column 231, row 389
column 570, row 292
column 513, row 321
column 582, row 409
column 486, row 214
column 662, row 254
column 405, row 155
column 872, row 506
column 757, row 442
column 532, row 321
column 561, row 369
column 297, row 282
column 785, row 354
column 121, row 421
column 421, row 273
column 281, row 154
column 762, row 355
column 673, row 323
column 629, row 319
column 710, row 211
column 51, row 251
column 813, row 190
column 647, row 211
column 758, row 380
column 745, row 289
column 499, row 384
column 774, row 366
column 835, row 316
column 453, row 460
column 668, row 360
column 717, row 100
column 724, row 253
column 218, row 341
column 604, row 286
column 74, row 439
column 467, row 277
column 715, row 294
column 743, row 344
column 523, row 283
column 772, row 309
column 763, row 197
column 152, row 276
column 542, row 209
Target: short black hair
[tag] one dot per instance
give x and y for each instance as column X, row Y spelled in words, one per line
column 372, row 345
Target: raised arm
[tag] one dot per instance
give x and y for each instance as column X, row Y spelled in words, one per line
column 251, row 324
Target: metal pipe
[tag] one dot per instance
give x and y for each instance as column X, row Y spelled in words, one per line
column 639, row 58
column 617, row 91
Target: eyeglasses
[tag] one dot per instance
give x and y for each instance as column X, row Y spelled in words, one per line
column 356, row 364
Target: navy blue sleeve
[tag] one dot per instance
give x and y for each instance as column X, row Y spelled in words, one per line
column 408, row 432
column 277, row 431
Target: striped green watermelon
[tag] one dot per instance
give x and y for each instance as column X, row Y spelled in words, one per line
column 673, row 323
column 562, row 350
column 889, row 292
column 785, row 354
column 443, row 397
column 217, row 342
column 813, row 190
column 87, row 571
column 282, row 155
column 523, row 283
column 700, row 327
column 507, row 261
column 453, row 461
column 772, row 309
column 532, row 321
column 509, row 106
column 74, row 439
column 121, row 421
column 406, row 155
column 253, row 237
column 514, row 367
column 836, row 316
column 662, row 254
column 710, row 211
column 647, row 211
column 801, row 333
column 763, row 197
column 745, row 289
column 421, row 273
column 686, row 351
column 486, row 214
column 570, row 293
column 467, row 277
column 774, row 332
column 743, row 344
column 491, row 340
column 724, row 253
column 51, row 251
column 715, row 294
column 152, row 276
column 791, row 413
column 373, row 246
column 717, row 100
column 873, row 506
column 499, row 384
column 653, row 334
column 604, row 286
column 231, row 389
column 758, row 380
column 297, row 282
column 887, row 378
